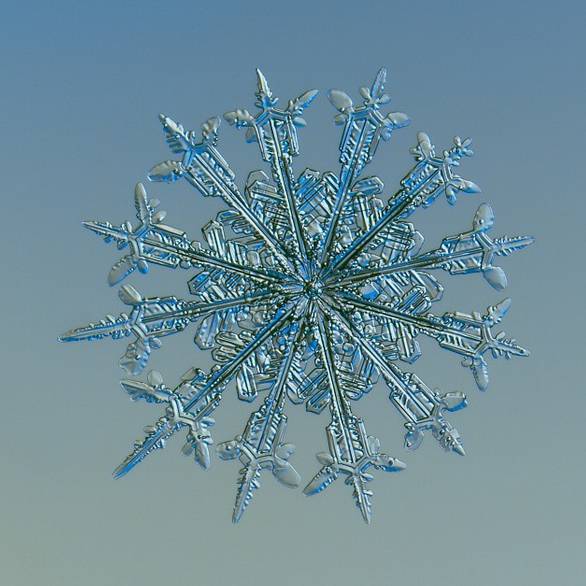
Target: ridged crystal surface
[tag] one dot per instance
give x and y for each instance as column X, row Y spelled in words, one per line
column 309, row 289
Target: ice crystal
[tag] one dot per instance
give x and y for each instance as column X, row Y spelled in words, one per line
column 309, row 288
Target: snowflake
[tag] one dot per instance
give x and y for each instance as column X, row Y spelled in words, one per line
column 308, row 288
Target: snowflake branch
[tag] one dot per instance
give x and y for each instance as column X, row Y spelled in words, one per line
column 416, row 402
column 469, row 252
column 429, row 178
column 351, row 450
column 261, row 444
column 166, row 426
column 469, row 335
column 152, row 241
column 204, row 168
column 274, row 130
column 283, row 173
column 364, row 127
column 197, row 420
column 154, row 317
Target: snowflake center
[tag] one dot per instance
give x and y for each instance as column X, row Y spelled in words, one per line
column 313, row 288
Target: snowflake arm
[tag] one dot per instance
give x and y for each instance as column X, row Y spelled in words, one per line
column 364, row 126
column 351, row 451
column 275, row 132
column 422, row 408
column 469, row 335
column 261, row 444
column 153, row 242
column 205, row 169
column 201, row 402
column 154, row 317
column 428, row 179
column 468, row 252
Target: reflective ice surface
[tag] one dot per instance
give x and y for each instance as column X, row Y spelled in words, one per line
column 309, row 288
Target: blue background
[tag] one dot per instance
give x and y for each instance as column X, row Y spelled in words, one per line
column 82, row 84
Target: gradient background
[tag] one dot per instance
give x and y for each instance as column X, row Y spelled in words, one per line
column 82, row 86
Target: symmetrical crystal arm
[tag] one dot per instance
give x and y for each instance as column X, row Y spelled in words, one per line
column 339, row 404
column 261, row 444
column 204, row 168
column 198, row 402
column 275, row 132
column 351, row 451
column 469, row 252
column 151, row 241
column 469, row 335
column 364, row 126
column 157, row 315
column 430, row 177
column 421, row 407
column 283, row 174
